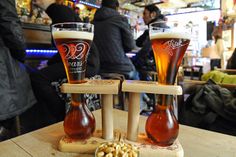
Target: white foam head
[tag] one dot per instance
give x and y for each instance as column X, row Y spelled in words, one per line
column 160, row 35
column 72, row 34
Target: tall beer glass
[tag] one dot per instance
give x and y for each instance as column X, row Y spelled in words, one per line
column 169, row 43
column 73, row 42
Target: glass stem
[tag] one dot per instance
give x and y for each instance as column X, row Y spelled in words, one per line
column 164, row 100
column 77, row 99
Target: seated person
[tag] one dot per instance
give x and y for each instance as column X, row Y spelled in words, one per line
column 113, row 38
column 144, row 59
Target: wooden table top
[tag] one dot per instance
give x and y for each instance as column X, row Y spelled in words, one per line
column 44, row 142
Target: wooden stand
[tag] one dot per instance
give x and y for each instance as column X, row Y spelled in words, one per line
column 107, row 88
column 146, row 149
column 135, row 88
column 149, row 150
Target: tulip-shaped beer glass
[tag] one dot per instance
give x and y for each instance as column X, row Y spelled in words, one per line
column 169, row 43
column 73, row 42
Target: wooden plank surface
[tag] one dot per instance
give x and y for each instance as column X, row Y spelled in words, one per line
column 43, row 142
column 195, row 142
column 202, row 143
column 10, row 149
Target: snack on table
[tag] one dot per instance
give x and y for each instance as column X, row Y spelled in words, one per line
column 117, row 149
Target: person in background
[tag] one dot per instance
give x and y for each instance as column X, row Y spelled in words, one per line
column 54, row 72
column 231, row 63
column 113, row 38
column 16, row 95
column 144, row 59
column 218, row 60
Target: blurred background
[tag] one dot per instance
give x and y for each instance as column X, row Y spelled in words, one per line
column 200, row 16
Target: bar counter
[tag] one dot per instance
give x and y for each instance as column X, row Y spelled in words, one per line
column 44, row 142
column 37, row 35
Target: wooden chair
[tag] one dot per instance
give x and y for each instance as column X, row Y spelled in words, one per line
column 10, row 128
column 195, row 71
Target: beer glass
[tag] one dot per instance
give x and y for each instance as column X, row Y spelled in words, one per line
column 73, row 42
column 169, row 43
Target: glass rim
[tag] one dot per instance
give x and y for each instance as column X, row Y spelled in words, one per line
column 172, row 21
column 166, row 21
column 163, row 29
column 67, row 23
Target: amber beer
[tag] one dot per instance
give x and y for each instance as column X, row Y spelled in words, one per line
column 79, row 122
column 162, row 127
column 169, row 45
column 73, row 42
column 169, row 49
column 73, row 47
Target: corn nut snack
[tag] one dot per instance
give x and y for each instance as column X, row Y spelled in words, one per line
column 117, row 149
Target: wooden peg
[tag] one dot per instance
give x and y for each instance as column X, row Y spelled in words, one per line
column 133, row 116
column 107, row 116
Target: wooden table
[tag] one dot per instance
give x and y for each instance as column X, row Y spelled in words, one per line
column 44, row 142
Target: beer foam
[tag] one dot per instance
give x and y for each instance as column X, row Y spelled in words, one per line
column 73, row 34
column 160, row 35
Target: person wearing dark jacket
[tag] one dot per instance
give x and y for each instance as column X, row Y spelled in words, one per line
column 113, row 38
column 16, row 95
column 144, row 59
column 231, row 63
column 42, row 79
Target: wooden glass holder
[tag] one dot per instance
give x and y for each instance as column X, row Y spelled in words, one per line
column 134, row 88
column 107, row 88
column 104, row 87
